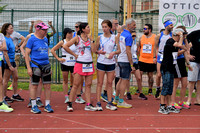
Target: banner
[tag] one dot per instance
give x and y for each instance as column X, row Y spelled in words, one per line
column 180, row 12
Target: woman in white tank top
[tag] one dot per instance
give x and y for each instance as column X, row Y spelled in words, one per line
column 107, row 46
column 84, row 66
column 67, row 61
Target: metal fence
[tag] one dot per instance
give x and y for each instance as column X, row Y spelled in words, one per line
column 62, row 15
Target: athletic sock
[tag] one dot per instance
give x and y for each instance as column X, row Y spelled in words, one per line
column 121, row 100
column 33, row 102
column 47, row 102
column 15, row 95
column 105, row 92
column 38, row 98
column 158, row 88
column 116, row 97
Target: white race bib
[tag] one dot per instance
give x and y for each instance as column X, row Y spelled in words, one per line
column 175, row 55
column 134, row 58
column 147, row 48
column 87, row 68
column 70, row 59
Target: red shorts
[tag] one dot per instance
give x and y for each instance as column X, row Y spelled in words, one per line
column 78, row 68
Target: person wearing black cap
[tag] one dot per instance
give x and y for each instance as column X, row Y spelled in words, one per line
column 67, row 61
column 168, row 68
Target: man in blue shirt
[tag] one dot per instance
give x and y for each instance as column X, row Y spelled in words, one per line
column 37, row 47
column 125, row 63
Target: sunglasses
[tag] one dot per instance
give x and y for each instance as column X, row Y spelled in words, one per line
column 76, row 26
column 133, row 35
column 185, row 33
column 116, row 23
column 145, row 28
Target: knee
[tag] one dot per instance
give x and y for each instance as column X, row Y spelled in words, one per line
column 15, row 78
column 109, row 83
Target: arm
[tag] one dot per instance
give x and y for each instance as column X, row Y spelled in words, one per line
column 155, row 47
column 24, row 44
column 53, row 29
column 5, row 53
column 129, row 55
column 93, row 46
column 70, row 43
column 3, row 47
column 180, row 52
column 118, row 50
column 60, row 44
column 31, row 28
column 139, row 46
column 27, row 54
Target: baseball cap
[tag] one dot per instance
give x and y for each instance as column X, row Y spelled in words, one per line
column 42, row 26
column 176, row 31
column 67, row 30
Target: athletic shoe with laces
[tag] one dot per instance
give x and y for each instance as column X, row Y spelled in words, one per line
column 6, row 103
column 110, row 106
column 177, row 106
column 115, row 101
column 150, row 92
column 142, row 96
column 104, row 97
column 35, row 110
column 98, row 106
column 10, row 88
column 188, row 103
column 79, row 100
column 69, row 107
column 66, row 99
column 17, row 98
column 48, row 109
column 8, row 99
column 157, row 93
column 5, row 108
column 163, row 110
column 184, row 105
column 128, row 96
column 39, row 103
column 137, row 92
column 124, row 105
column 29, row 104
column 90, row 108
column 173, row 109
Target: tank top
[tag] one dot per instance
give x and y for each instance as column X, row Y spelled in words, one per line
column 162, row 41
column 146, row 51
column 84, row 51
column 107, row 45
column 69, row 59
column 1, row 43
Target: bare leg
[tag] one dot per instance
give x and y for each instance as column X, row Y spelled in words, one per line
column 88, row 83
column 6, row 78
column 173, row 97
column 110, row 78
column 158, row 75
column 65, row 82
column 1, row 85
column 190, row 89
column 183, row 88
column 39, row 89
column 100, row 79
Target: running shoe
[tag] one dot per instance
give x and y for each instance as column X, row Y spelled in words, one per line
column 29, row 104
column 17, row 98
column 69, row 107
column 157, row 93
column 104, row 97
column 115, row 101
column 90, row 108
column 48, row 109
column 173, row 109
column 163, row 110
column 142, row 96
column 110, row 106
column 137, row 92
column 177, row 106
column 8, row 99
column 98, row 106
column 150, row 92
column 128, row 96
column 5, row 108
column 35, row 110
column 124, row 105
column 10, row 88
column 6, row 103
column 39, row 103
column 66, row 99
column 184, row 105
column 80, row 100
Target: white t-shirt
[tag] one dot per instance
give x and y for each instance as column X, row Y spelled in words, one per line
column 69, row 59
column 107, row 45
column 1, row 43
column 15, row 37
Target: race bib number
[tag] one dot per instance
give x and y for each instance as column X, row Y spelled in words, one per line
column 70, row 59
column 87, row 68
column 175, row 55
column 134, row 58
column 147, row 48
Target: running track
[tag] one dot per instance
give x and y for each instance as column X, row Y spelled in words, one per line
column 142, row 118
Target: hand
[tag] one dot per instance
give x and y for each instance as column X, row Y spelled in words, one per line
column 76, row 56
column 119, row 29
column 32, row 22
column 111, row 55
column 11, row 68
column 61, row 60
column 29, row 71
column 191, row 57
column 133, row 69
column 101, row 52
column 90, row 37
column 189, row 67
column 154, row 60
column 50, row 23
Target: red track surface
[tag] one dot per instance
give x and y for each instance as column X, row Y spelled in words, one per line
column 142, row 118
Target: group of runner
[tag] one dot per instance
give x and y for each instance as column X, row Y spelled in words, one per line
column 119, row 55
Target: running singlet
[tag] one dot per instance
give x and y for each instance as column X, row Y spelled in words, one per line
column 134, row 52
column 11, row 49
column 147, row 45
column 1, row 43
column 84, row 51
column 69, row 59
column 107, row 45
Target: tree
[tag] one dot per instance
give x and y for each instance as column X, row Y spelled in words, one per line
column 2, row 7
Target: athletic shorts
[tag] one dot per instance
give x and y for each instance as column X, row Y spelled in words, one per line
column 13, row 64
column 180, row 69
column 124, row 70
column 106, row 68
column 136, row 66
column 146, row 67
column 37, row 74
column 159, row 58
column 168, row 81
column 67, row 68
column 84, row 69
column 195, row 74
column 0, row 63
